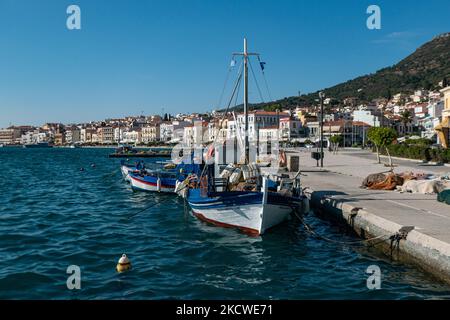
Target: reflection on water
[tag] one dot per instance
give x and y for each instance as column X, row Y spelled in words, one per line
column 53, row 215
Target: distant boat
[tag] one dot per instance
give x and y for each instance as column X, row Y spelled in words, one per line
column 130, row 152
column 38, row 145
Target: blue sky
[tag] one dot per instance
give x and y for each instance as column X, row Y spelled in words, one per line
column 139, row 56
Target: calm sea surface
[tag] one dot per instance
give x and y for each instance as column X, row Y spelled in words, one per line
column 53, row 215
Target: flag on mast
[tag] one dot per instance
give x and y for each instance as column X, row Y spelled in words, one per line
column 262, row 64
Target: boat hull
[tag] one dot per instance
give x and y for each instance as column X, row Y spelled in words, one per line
column 244, row 211
column 150, row 184
column 126, row 172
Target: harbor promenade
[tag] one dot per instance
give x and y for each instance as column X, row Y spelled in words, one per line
column 335, row 193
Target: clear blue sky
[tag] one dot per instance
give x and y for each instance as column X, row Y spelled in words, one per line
column 136, row 55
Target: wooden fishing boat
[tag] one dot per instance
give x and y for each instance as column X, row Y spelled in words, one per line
column 264, row 202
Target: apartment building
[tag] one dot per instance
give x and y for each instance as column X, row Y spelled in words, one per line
column 10, row 135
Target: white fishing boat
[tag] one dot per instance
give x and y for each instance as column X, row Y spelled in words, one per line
column 154, row 181
column 126, row 169
column 264, row 202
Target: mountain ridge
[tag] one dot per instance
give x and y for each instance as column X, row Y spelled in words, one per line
column 423, row 69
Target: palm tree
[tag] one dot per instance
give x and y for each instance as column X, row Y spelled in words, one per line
column 406, row 117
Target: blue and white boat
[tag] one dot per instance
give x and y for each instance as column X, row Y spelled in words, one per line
column 155, row 181
column 252, row 212
column 262, row 204
column 160, row 180
column 127, row 168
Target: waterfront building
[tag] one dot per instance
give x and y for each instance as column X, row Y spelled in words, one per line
column 271, row 133
column 352, row 132
column 73, row 135
column 173, row 131
column 95, row 138
column 291, row 129
column 215, row 129
column 60, row 138
column 151, row 133
column 188, row 135
column 443, row 129
column 11, row 135
column 256, row 120
column 86, row 134
column 35, row 137
column 106, row 135
column 133, row 136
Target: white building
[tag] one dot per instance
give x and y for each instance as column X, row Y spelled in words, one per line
column 435, row 109
column 86, row 134
column 173, row 130
column 95, row 138
column 256, row 120
column 366, row 116
column 151, row 133
column 73, row 135
column 132, row 136
column 188, row 135
column 214, row 130
column 290, row 129
column 34, row 137
column 269, row 134
column 118, row 134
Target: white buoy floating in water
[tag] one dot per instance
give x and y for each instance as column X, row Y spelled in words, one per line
column 124, row 264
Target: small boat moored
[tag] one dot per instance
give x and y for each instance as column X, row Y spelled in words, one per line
column 127, row 168
column 153, row 181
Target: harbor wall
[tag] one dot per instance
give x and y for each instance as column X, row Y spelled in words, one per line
column 428, row 253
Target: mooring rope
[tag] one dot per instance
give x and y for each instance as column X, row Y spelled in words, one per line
column 147, row 208
column 310, row 230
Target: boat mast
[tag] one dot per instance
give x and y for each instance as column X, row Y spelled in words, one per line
column 246, row 56
column 246, row 146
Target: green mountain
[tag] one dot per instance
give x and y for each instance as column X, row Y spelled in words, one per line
column 423, row 69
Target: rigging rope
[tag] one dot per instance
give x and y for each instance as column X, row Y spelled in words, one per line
column 265, row 80
column 236, row 87
column 224, row 86
column 256, row 82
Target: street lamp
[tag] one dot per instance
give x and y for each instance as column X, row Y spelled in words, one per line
column 321, row 96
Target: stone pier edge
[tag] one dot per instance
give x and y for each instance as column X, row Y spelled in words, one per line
column 428, row 253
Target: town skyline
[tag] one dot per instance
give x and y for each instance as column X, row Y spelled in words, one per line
column 106, row 69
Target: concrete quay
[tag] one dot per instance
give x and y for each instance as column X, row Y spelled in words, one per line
column 335, row 194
